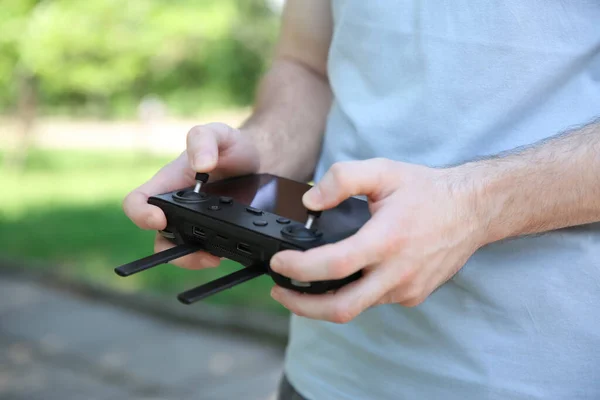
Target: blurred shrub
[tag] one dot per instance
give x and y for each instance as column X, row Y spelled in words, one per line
column 102, row 56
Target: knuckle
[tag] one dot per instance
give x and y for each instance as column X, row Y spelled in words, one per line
column 381, row 170
column 193, row 135
column 339, row 174
column 342, row 314
column 407, row 281
column 214, row 129
column 388, row 298
column 339, row 267
column 218, row 126
column 195, row 131
column 381, row 162
column 412, row 302
column 201, row 130
column 296, row 311
column 222, row 130
column 392, row 242
column 413, row 296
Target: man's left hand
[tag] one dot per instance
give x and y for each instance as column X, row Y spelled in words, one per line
column 424, row 227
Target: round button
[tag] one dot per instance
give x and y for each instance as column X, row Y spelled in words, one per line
column 214, row 208
column 225, row 200
column 283, row 221
column 260, row 222
column 254, row 211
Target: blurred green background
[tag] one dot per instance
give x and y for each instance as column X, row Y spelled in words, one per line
column 95, row 97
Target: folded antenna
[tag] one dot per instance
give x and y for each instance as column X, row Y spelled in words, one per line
column 156, row 259
column 223, row 283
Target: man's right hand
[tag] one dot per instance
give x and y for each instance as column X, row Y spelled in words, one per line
column 214, row 148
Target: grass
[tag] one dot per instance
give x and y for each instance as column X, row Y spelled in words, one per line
column 65, row 211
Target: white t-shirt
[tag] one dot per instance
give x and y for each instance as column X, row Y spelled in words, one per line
column 438, row 82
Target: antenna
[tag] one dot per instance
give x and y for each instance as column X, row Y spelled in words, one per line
column 218, row 285
column 156, row 259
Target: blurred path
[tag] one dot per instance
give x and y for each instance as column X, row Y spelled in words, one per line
column 56, row 345
column 165, row 136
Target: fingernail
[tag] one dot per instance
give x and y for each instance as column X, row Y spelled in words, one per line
column 313, row 198
column 203, row 161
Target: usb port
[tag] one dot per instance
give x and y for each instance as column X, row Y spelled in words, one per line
column 244, row 248
column 198, row 232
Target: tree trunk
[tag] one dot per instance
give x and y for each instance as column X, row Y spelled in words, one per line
column 26, row 114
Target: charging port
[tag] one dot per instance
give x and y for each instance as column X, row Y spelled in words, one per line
column 244, row 248
column 198, row 232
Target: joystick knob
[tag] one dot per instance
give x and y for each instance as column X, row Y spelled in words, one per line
column 312, row 216
column 201, row 178
column 193, row 196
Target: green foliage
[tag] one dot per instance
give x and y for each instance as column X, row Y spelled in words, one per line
column 65, row 212
column 107, row 53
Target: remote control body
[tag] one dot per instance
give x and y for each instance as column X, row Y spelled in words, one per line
column 250, row 218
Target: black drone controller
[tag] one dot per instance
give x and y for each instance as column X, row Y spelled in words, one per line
column 248, row 219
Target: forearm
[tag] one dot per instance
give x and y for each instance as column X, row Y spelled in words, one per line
column 288, row 119
column 550, row 185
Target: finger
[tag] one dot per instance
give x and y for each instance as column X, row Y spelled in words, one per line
column 146, row 216
column 342, row 306
column 346, row 179
column 371, row 244
column 204, row 142
column 197, row 260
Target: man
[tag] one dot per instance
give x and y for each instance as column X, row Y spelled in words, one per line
column 470, row 128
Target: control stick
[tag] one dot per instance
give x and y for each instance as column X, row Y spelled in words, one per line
column 201, row 178
column 312, row 216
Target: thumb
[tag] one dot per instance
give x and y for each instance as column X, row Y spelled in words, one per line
column 346, row 179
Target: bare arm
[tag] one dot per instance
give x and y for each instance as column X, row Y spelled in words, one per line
column 294, row 97
column 549, row 185
column 427, row 222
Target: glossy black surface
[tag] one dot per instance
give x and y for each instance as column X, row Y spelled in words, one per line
column 283, row 197
column 268, row 193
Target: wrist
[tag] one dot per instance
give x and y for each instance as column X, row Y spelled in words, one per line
column 478, row 187
column 493, row 190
